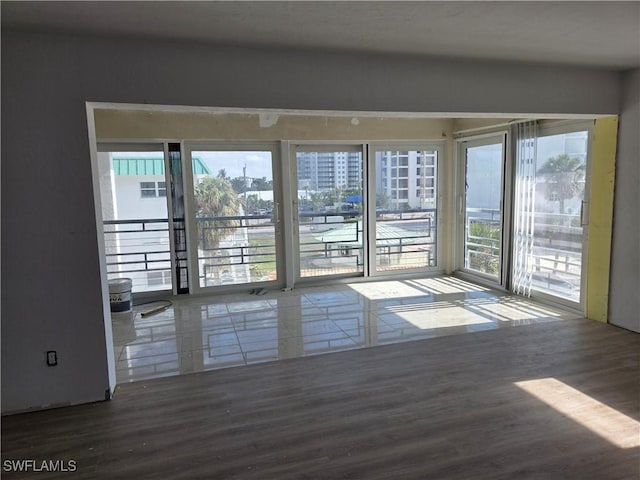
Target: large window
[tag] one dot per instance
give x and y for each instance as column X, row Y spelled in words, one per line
column 535, row 215
column 406, row 218
column 558, row 234
column 353, row 209
column 330, row 210
column 135, row 215
column 233, row 215
column 481, row 226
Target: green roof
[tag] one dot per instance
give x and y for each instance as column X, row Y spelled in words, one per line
column 151, row 166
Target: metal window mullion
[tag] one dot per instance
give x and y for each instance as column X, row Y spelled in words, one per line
column 369, row 218
column 190, row 220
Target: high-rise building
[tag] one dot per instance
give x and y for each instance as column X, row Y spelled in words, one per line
column 322, row 171
column 406, row 179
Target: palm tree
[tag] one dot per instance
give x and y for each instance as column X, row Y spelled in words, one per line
column 564, row 176
column 215, row 197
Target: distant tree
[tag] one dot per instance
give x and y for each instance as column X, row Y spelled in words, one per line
column 316, row 199
column 382, row 200
column 222, row 173
column 239, row 184
column 262, row 184
column 564, row 178
column 215, row 197
column 332, row 196
column 255, row 203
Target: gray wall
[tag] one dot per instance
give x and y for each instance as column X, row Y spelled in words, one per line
column 50, row 269
column 624, row 292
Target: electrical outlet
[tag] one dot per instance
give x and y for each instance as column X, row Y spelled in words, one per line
column 52, row 358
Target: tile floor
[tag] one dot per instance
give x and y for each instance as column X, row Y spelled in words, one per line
column 205, row 333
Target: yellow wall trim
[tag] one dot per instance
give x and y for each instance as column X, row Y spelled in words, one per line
column 603, row 160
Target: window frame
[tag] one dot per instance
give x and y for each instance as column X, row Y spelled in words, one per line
column 440, row 172
column 564, row 127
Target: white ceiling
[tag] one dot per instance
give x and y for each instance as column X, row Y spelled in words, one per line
column 600, row 34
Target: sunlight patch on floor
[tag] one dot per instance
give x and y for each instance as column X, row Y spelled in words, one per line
column 449, row 316
column 198, row 333
column 608, row 423
column 387, row 290
column 441, row 285
column 508, row 309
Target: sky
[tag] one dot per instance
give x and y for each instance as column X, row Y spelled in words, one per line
column 258, row 163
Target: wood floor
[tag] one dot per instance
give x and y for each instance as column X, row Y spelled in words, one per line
column 444, row 408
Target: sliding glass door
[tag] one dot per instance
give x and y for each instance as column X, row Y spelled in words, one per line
column 534, row 214
column 136, row 226
column 330, row 213
column 233, row 215
column 406, row 208
column 481, row 207
column 555, row 263
column 366, row 210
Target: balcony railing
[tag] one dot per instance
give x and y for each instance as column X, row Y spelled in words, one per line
column 246, row 246
column 556, row 257
column 236, row 249
column 140, row 250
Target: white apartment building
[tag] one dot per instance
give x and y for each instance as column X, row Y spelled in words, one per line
column 406, row 180
column 322, row 171
column 134, row 210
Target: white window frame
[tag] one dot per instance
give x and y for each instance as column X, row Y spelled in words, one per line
column 191, row 227
column 144, row 145
column 560, row 128
column 505, row 207
column 440, row 171
column 320, row 147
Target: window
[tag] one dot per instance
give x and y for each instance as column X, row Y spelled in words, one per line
column 133, row 248
column 481, row 217
column 153, row 189
column 424, row 182
column 556, row 257
column 405, row 241
column 148, row 189
column 331, row 243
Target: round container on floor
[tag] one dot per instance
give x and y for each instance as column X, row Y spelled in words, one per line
column 120, row 295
